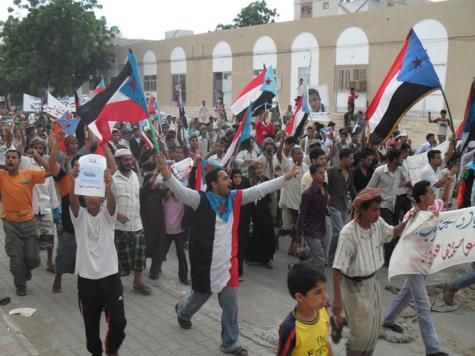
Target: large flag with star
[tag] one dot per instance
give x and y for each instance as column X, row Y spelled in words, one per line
column 299, row 118
column 259, row 91
column 123, row 100
column 410, row 78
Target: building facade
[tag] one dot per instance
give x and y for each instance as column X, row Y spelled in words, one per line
column 341, row 51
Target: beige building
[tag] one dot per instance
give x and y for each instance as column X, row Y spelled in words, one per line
column 338, row 51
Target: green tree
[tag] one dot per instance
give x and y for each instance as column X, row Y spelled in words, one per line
column 256, row 13
column 58, row 43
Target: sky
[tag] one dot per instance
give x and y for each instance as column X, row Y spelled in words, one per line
column 150, row 19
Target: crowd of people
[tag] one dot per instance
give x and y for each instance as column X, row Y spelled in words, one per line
column 342, row 203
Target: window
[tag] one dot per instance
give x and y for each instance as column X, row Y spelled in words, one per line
column 178, row 81
column 150, row 83
column 326, row 5
column 347, row 77
column 306, row 10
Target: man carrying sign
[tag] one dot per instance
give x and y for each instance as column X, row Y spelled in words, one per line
column 414, row 285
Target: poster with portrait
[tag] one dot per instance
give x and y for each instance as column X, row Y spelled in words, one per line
column 318, row 103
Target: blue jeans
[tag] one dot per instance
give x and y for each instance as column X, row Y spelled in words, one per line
column 415, row 286
column 229, row 318
column 464, row 281
column 338, row 219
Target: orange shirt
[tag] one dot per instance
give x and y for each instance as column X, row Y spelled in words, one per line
column 64, row 185
column 17, row 194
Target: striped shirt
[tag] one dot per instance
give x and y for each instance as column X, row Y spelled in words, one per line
column 360, row 252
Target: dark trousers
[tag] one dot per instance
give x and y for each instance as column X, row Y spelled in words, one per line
column 391, row 218
column 165, row 244
column 96, row 295
column 402, row 206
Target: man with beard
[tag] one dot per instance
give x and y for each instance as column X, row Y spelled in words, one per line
column 129, row 235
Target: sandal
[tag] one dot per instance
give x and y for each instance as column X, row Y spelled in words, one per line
column 4, row 300
column 336, row 331
column 51, row 268
column 143, row 289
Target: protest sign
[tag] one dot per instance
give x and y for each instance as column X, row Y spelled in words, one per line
column 417, row 162
column 91, row 176
column 54, row 107
column 31, row 103
column 317, row 103
column 182, row 169
column 432, row 243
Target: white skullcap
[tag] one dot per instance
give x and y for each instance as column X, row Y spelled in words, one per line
column 122, row 152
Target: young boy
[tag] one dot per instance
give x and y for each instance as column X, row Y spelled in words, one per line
column 99, row 285
column 305, row 330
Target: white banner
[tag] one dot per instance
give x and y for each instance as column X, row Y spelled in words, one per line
column 432, row 243
column 54, row 107
column 31, row 103
column 417, row 162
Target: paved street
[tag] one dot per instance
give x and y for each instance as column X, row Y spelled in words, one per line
column 56, row 328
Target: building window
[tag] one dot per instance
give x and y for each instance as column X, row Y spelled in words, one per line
column 178, row 82
column 150, row 83
column 347, row 77
column 326, row 5
column 306, row 10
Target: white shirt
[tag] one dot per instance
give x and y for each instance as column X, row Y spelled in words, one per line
column 203, row 114
column 96, row 256
column 291, row 194
column 404, row 178
column 388, row 183
column 243, row 156
column 126, row 191
column 360, row 252
column 428, row 174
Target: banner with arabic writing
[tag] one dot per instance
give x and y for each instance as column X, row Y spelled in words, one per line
column 432, row 243
column 415, row 163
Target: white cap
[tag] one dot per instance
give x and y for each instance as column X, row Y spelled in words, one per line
column 122, row 152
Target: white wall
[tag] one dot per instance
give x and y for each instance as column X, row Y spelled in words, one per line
column 264, row 52
column 178, row 61
column 222, row 57
column 352, row 48
column 305, row 53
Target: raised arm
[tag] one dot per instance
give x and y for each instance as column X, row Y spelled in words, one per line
column 73, row 198
column 186, row 195
column 40, row 160
column 110, row 198
column 54, row 166
column 261, row 190
column 110, row 160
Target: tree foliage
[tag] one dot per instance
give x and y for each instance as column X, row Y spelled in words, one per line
column 58, row 44
column 256, row 13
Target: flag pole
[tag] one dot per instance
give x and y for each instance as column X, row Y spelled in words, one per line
column 448, row 111
column 154, row 136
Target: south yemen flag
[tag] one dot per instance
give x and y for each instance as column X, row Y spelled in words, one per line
column 299, row 118
column 466, row 129
column 410, row 78
column 260, row 91
column 123, row 100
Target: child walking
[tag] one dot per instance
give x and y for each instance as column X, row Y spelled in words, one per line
column 99, row 285
column 305, row 331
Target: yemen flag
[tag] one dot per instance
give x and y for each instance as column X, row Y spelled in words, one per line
column 410, row 78
column 123, row 100
column 466, row 129
column 242, row 134
column 259, row 91
column 299, row 118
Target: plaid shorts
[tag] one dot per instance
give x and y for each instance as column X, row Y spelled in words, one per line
column 130, row 247
column 46, row 230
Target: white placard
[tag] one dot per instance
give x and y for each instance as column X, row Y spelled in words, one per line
column 182, row 169
column 91, row 176
column 31, row 103
column 54, row 107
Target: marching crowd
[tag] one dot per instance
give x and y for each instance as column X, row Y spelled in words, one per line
column 342, row 202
